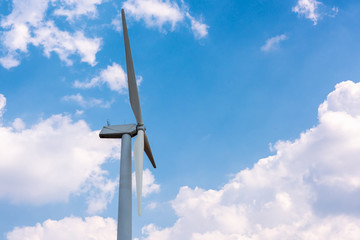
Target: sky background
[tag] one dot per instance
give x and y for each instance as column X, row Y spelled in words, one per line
column 252, row 110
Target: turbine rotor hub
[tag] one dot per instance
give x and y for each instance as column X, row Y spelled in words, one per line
column 140, row 127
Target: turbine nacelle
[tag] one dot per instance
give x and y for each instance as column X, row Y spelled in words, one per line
column 117, row 131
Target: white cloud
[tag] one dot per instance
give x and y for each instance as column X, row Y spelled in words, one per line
column 68, row 228
column 149, row 185
column 160, row 13
column 199, row 29
column 114, row 76
column 34, row 161
column 17, row 38
column 308, row 8
column 308, row 190
column 65, row 44
column 79, row 112
column 29, row 12
column 116, row 23
column 9, row 61
column 90, row 102
column 27, row 24
column 101, row 193
column 273, row 43
column 314, row 10
column 345, row 99
column 30, row 23
column 16, row 34
column 154, row 12
column 18, row 124
column 75, row 8
column 2, row 104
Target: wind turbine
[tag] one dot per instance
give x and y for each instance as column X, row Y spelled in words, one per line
column 141, row 144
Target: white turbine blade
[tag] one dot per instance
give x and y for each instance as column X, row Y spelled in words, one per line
column 133, row 88
column 138, row 161
column 148, row 151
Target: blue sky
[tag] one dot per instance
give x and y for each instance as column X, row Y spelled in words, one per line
column 251, row 108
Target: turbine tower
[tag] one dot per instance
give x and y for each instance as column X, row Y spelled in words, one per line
column 141, row 144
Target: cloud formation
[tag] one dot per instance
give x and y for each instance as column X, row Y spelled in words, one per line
column 28, row 24
column 309, row 189
column 68, row 228
column 32, row 22
column 199, row 29
column 66, row 44
column 273, row 43
column 308, row 8
column 2, row 104
column 113, row 76
column 313, row 10
column 154, row 12
column 18, row 124
column 72, row 9
column 101, row 192
column 159, row 13
column 149, row 185
column 86, row 103
column 306, row 190
column 35, row 160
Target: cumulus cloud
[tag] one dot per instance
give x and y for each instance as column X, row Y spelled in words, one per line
column 18, row 124
column 34, row 161
column 68, row 228
column 273, row 43
column 29, row 12
column 90, row 102
column 17, row 38
column 154, row 12
column 101, row 192
column 113, row 76
column 149, row 185
column 75, row 8
column 27, row 24
column 31, row 22
column 160, row 13
column 308, row 8
column 309, row 189
column 66, row 44
column 345, row 99
column 9, row 61
column 313, row 10
column 2, row 104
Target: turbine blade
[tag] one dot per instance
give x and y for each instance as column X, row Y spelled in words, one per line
column 133, row 89
column 138, row 162
column 148, row 150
